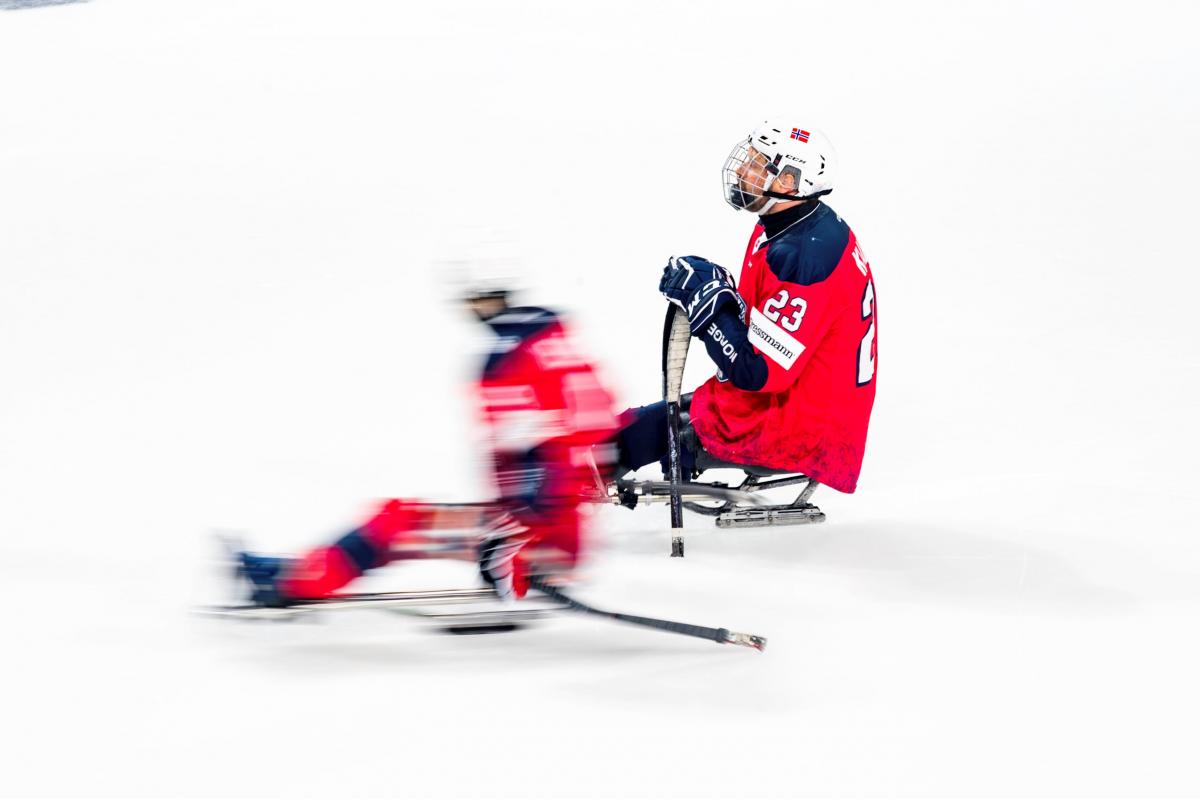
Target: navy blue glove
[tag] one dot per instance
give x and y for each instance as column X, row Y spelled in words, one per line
column 700, row 288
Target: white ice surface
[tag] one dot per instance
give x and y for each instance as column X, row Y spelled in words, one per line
column 218, row 310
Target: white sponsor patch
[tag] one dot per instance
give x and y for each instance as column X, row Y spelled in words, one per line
column 509, row 397
column 518, row 431
column 773, row 341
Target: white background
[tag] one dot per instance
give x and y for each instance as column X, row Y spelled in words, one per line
column 220, row 227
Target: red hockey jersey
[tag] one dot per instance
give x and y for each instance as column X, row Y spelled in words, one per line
column 544, row 410
column 810, row 310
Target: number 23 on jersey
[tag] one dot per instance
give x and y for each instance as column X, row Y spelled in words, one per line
column 866, row 348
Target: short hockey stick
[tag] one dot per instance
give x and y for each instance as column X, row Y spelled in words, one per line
column 676, row 337
column 718, row 634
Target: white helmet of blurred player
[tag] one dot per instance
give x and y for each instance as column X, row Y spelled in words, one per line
column 753, row 171
column 482, row 262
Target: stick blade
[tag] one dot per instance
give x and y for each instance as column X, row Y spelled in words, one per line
column 746, row 639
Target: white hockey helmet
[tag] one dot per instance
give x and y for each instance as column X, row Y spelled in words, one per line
column 781, row 148
column 482, row 262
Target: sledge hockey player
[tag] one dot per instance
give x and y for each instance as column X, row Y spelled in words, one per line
column 794, row 341
column 547, row 418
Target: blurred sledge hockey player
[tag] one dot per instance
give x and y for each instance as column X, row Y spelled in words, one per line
column 547, row 417
column 794, row 340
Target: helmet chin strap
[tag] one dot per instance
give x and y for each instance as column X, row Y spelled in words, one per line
column 778, row 196
column 774, row 197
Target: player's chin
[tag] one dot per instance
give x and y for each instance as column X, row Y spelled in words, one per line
column 756, row 205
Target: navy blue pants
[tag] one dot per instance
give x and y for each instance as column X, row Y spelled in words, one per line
column 643, row 439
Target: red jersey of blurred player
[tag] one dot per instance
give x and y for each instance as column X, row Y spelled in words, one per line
column 810, row 310
column 544, row 410
column 547, row 415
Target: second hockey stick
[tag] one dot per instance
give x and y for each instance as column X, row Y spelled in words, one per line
column 718, row 634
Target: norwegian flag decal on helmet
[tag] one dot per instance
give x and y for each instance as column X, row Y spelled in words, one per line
column 802, row 135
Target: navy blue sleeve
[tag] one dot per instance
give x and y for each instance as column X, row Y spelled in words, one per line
column 728, row 343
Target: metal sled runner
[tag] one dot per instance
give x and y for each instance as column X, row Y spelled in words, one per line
column 730, row 505
column 731, row 513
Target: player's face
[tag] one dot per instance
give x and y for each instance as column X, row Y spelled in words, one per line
column 485, row 308
column 753, row 178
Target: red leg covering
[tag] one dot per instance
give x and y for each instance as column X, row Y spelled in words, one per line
column 324, row 570
column 395, row 518
column 560, row 531
column 553, row 549
column 318, row 574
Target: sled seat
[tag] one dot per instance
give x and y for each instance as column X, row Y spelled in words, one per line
column 757, row 478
